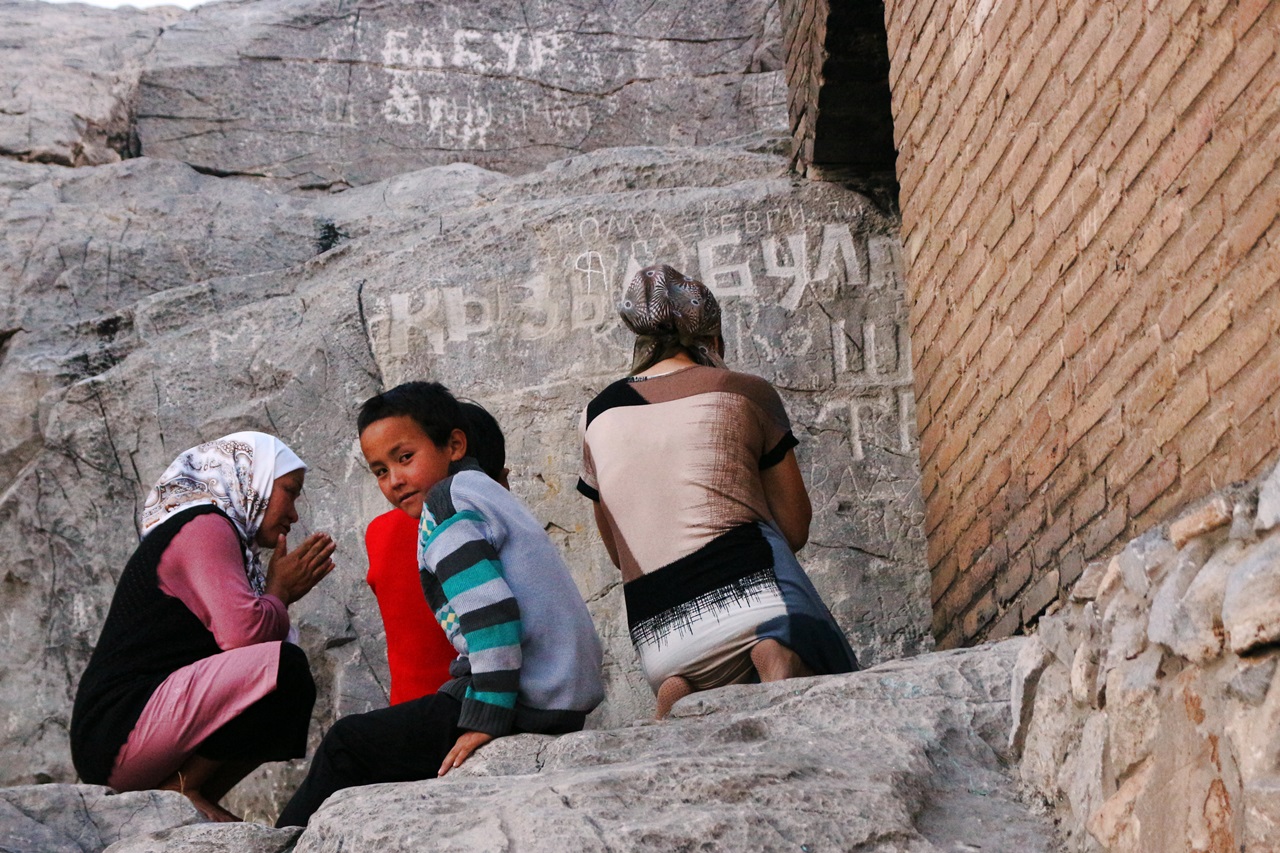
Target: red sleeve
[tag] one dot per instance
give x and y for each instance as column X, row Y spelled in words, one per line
column 203, row 567
column 418, row 653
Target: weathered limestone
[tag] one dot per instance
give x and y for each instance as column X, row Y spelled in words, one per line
column 211, row 838
column 908, row 757
column 70, row 77
column 84, row 818
column 1162, row 734
column 324, row 94
column 905, row 757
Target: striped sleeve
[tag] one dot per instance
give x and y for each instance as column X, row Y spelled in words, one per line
column 462, row 567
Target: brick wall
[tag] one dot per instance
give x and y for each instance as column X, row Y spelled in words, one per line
column 1089, row 196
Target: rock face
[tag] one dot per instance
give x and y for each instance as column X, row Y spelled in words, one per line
column 1148, row 705
column 329, row 94
column 70, row 78
column 908, row 757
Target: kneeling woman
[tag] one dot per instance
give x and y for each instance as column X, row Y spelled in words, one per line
column 700, row 502
column 192, row 684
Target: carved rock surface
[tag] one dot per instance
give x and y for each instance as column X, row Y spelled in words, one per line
column 904, row 757
column 84, row 818
column 145, row 307
column 321, row 93
column 70, row 73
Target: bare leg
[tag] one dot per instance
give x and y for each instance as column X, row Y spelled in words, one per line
column 672, row 690
column 190, row 781
column 227, row 777
column 775, row 662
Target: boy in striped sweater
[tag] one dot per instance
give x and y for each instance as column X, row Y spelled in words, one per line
column 528, row 655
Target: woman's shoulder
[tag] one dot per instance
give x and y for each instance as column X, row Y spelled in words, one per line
column 620, row 393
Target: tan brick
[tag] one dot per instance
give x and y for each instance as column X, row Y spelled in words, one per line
column 1156, row 231
column 980, row 614
column 1102, row 439
column 1247, row 14
column 1203, row 329
column 1041, row 594
column 1070, row 567
column 1024, row 524
column 1153, row 481
column 974, row 541
column 1201, row 436
column 1150, row 387
column 1257, row 274
column 1212, row 49
column 1130, row 459
column 1086, row 272
column 943, row 576
column 1044, row 550
column 1191, row 396
column 1255, row 385
column 1091, row 500
column 1103, row 531
column 1009, row 622
column 1064, row 482
column 1254, row 218
column 1246, row 339
column 1014, row 577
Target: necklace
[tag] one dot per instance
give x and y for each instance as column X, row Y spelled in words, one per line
column 660, row 375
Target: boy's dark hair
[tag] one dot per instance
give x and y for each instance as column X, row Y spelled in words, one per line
column 430, row 405
column 484, row 438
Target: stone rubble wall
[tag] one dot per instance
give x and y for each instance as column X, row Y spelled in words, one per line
column 1089, row 194
column 1147, row 707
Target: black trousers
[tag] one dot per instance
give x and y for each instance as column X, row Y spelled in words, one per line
column 275, row 727
column 403, row 743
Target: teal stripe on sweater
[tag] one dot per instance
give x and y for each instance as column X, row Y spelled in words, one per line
column 476, row 575
column 506, row 634
column 502, row 700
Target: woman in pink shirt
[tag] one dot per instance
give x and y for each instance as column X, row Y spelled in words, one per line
column 193, row 682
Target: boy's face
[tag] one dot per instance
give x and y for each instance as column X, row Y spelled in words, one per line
column 406, row 461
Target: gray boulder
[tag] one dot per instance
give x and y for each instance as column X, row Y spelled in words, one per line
column 84, row 818
column 904, row 757
column 70, row 75
column 211, row 838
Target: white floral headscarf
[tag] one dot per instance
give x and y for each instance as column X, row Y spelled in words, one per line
column 235, row 473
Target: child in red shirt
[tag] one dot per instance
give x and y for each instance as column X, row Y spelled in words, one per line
column 418, row 652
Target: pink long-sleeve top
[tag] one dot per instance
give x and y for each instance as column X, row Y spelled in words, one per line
column 203, row 567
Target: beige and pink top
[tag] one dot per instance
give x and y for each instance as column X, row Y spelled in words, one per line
column 675, row 460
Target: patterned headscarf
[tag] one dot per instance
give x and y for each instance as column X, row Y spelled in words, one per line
column 235, row 473
column 669, row 311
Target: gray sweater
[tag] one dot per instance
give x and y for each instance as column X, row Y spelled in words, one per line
column 528, row 655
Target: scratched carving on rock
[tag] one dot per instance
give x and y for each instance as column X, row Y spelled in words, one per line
column 756, row 271
column 415, row 60
column 765, row 259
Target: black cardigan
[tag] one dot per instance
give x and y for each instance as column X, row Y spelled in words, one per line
column 147, row 636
